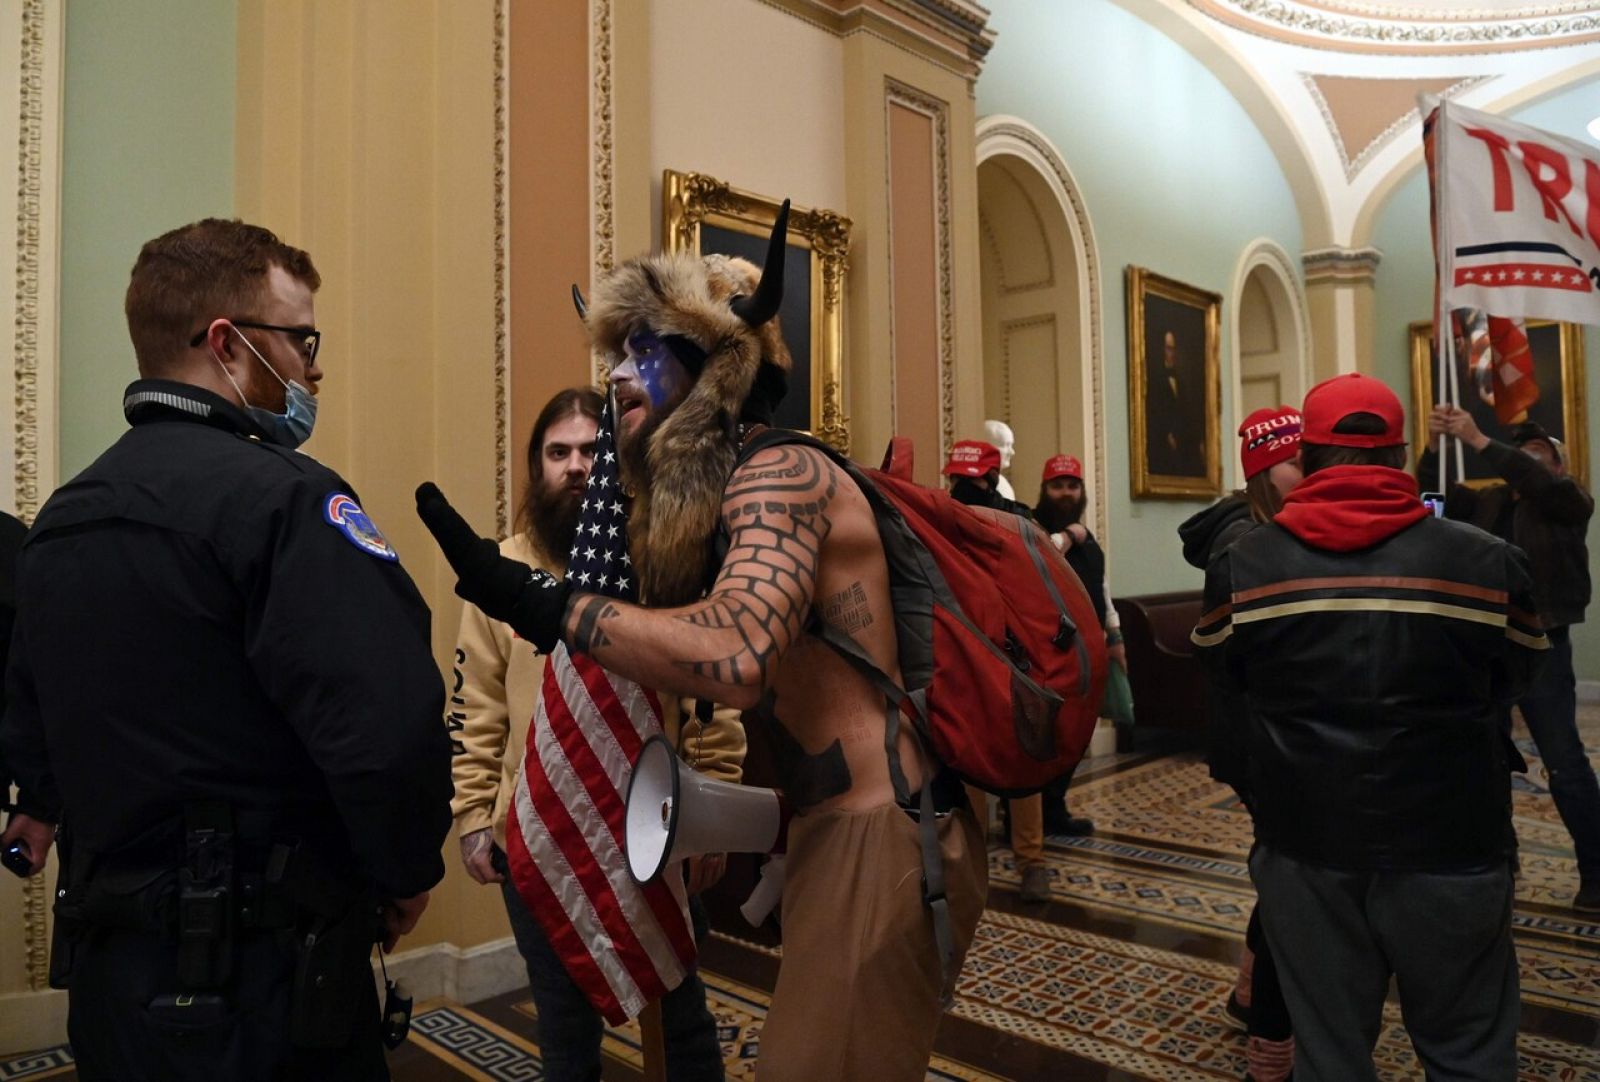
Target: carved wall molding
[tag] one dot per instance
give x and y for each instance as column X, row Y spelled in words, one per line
column 1010, row 135
column 602, row 131
column 1008, row 330
column 35, row 26
column 1323, row 265
column 952, row 36
column 502, row 296
column 909, row 97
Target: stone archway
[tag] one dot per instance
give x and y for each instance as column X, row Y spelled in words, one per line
column 1041, row 307
column 1271, row 362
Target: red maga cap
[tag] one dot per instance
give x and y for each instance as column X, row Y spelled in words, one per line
column 1268, row 436
column 972, row 458
column 1062, row 466
column 1332, row 400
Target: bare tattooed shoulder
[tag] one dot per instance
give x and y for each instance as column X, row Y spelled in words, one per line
column 777, row 510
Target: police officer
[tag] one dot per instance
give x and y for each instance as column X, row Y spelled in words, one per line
column 221, row 687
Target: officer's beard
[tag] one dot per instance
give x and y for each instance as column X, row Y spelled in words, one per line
column 553, row 517
column 1057, row 515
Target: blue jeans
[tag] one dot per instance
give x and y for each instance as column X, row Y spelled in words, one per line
column 1550, row 707
column 570, row 1028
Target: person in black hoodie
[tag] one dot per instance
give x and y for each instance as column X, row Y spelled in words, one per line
column 1544, row 511
column 1269, row 451
column 1377, row 646
column 1059, row 510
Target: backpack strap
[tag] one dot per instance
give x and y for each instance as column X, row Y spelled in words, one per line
column 897, row 697
column 933, row 878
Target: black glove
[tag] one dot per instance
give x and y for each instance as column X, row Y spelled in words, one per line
column 533, row 602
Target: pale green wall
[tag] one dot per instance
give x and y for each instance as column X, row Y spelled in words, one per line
column 148, row 145
column 1175, row 177
column 1405, row 294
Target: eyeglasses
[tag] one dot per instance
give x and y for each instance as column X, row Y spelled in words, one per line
column 310, row 338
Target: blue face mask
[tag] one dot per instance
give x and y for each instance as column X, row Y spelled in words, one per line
column 293, row 426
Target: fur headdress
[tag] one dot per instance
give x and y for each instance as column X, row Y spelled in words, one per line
column 718, row 312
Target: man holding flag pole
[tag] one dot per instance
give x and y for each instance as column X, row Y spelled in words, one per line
column 1517, row 230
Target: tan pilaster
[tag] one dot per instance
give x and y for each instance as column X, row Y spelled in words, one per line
column 1341, row 298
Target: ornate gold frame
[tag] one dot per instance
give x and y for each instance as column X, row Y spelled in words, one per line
column 1141, row 282
column 1574, row 412
column 689, row 200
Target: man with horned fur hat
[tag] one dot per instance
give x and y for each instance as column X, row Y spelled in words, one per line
column 701, row 362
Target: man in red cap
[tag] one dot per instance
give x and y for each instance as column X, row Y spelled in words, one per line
column 1377, row 645
column 973, row 472
column 1059, row 510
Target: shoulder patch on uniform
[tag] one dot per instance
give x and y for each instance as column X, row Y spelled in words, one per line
column 345, row 515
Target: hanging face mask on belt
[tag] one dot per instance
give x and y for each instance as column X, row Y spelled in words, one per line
column 290, row 428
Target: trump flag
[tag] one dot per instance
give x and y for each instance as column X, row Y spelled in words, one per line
column 1519, row 218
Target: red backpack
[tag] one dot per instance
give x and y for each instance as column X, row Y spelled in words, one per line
column 1002, row 657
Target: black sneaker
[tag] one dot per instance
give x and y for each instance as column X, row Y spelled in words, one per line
column 1587, row 900
column 1237, row 1011
column 1077, row 826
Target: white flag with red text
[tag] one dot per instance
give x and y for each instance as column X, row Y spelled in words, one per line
column 1519, row 218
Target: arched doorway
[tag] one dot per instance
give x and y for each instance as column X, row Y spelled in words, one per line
column 1040, row 307
column 1272, row 354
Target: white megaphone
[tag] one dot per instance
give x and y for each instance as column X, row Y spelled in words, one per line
column 674, row 814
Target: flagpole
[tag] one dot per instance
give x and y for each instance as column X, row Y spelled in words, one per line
column 1443, row 336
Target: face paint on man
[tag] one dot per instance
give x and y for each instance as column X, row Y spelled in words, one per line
column 647, row 380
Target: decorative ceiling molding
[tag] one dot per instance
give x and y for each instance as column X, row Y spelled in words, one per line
column 1392, row 29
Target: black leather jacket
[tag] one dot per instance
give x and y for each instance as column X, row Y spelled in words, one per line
column 1376, row 674
column 1544, row 515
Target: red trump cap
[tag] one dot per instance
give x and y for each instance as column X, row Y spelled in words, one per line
column 1062, row 466
column 1267, row 437
column 1332, row 400
column 972, row 458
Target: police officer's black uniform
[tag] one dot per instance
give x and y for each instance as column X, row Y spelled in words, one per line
column 221, row 676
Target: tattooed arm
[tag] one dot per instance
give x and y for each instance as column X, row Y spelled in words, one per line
column 726, row 647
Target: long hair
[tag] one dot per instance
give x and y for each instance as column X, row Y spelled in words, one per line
column 1263, row 497
column 572, row 402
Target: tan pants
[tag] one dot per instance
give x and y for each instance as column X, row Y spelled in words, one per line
column 1027, row 824
column 858, row 991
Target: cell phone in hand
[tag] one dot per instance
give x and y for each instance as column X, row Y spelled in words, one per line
column 17, row 861
column 1434, row 502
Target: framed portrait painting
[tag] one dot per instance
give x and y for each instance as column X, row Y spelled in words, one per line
column 1558, row 371
column 701, row 214
column 1174, row 393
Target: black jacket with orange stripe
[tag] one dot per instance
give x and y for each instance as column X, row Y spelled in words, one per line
column 1376, row 645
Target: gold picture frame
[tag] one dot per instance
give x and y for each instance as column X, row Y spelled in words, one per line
column 1558, row 362
column 1174, row 388
column 702, row 214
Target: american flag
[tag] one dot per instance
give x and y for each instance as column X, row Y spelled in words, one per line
column 623, row 944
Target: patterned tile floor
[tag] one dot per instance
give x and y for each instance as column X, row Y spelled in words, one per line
column 1120, row 976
